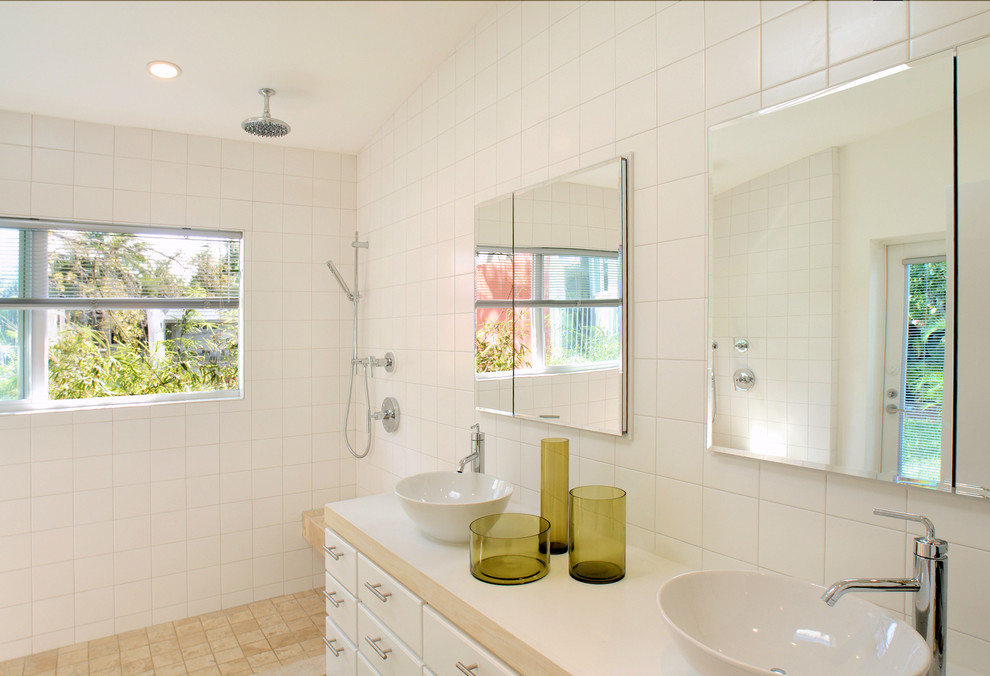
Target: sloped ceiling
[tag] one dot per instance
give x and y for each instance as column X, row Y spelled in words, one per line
column 340, row 68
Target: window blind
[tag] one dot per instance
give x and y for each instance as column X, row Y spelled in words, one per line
column 923, row 368
column 583, row 277
column 51, row 264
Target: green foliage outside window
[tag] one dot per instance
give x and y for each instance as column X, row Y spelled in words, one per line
column 87, row 362
column 921, row 434
column 495, row 348
column 9, row 350
column 100, row 352
column 582, row 342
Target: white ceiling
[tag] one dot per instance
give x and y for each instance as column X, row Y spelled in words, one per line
column 340, row 68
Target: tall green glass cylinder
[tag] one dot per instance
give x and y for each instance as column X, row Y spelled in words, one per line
column 553, row 490
column 597, row 534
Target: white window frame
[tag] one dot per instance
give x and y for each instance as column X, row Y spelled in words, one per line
column 538, row 303
column 33, row 381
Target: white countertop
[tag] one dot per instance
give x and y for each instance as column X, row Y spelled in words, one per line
column 553, row 625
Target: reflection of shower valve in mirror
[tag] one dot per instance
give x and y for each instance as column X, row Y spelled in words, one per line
column 744, row 380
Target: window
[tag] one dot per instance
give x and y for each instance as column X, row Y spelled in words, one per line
column 564, row 314
column 96, row 314
column 914, row 362
column 924, row 370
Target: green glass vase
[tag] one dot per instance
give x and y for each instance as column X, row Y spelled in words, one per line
column 553, row 490
column 597, row 534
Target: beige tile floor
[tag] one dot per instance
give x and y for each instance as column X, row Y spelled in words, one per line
column 248, row 639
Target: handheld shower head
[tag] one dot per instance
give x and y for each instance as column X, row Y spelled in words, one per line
column 340, row 280
column 266, row 125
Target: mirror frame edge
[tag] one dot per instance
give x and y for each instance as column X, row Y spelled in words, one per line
column 625, row 194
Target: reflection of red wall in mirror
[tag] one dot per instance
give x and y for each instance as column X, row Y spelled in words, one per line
column 493, row 281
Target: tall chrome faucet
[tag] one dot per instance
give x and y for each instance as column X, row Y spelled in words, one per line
column 477, row 457
column 929, row 587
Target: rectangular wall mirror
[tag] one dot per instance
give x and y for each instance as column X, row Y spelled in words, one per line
column 832, row 264
column 972, row 252
column 551, row 303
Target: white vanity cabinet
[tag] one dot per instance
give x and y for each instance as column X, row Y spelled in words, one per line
column 398, row 608
column 342, row 654
column 378, row 627
column 383, row 648
column 448, row 650
column 341, row 606
column 340, row 560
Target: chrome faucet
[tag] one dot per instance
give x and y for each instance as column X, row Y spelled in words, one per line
column 477, row 457
column 929, row 586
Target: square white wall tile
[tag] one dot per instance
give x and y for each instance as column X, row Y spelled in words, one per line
column 16, row 128
column 680, row 31
column 795, row 44
column 731, row 525
column 732, row 68
column 855, row 29
column 726, row 19
column 792, row 541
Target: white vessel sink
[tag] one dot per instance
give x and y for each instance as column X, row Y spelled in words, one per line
column 443, row 504
column 728, row 623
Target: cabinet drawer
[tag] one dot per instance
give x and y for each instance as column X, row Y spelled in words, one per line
column 448, row 651
column 383, row 649
column 397, row 607
column 340, row 560
column 341, row 606
column 364, row 667
column 342, row 654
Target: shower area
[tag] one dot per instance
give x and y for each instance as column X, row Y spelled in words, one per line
column 388, row 414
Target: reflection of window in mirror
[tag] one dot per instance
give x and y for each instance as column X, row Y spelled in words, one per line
column 574, row 318
column 568, row 311
column 914, row 361
column 496, row 347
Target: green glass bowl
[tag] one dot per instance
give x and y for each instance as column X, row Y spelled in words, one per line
column 510, row 548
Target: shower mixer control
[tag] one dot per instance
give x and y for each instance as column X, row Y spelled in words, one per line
column 388, row 362
column 744, row 380
column 389, row 415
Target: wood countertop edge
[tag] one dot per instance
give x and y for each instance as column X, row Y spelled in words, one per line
column 312, row 525
column 510, row 649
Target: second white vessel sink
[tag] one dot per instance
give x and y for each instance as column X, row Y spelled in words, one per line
column 443, row 504
column 730, row 623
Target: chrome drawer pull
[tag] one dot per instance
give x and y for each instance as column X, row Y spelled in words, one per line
column 336, row 652
column 331, row 599
column 373, row 588
column 467, row 671
column 373, row 642
column 331, row 551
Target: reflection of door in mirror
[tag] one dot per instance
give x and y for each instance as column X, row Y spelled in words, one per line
column 914, row 362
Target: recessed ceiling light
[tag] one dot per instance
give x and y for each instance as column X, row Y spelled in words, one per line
column 164, row 70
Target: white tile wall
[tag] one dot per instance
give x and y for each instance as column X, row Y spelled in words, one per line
column 120, row 518
column 711, row 61
column 775, row 283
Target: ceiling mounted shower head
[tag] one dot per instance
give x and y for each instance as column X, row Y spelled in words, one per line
column 266, row 125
